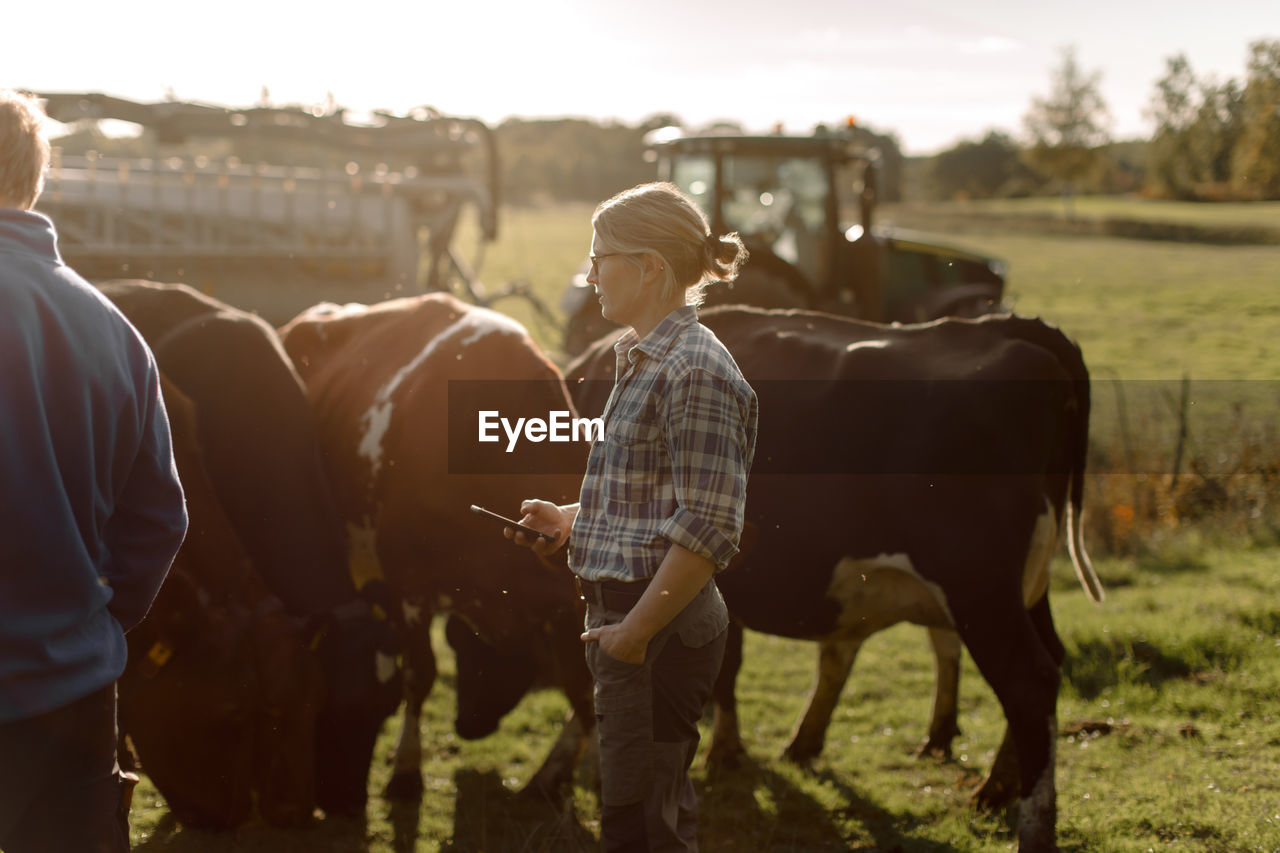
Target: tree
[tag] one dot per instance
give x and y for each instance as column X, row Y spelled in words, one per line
column 985, row 169
column 1174, row 110
column 1255, row 162
column 1198, row 124
column 1067, row 127
column 1216, row 130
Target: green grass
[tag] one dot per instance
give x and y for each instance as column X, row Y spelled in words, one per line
column 1176, row 677
column 1249, row 214
column 1150, row 310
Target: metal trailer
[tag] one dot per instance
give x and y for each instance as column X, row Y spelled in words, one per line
column 275, row 209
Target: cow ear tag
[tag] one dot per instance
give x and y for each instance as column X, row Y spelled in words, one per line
column 157, row 656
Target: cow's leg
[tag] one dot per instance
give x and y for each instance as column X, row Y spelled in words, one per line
column 726, row 741
column 943, row 725
column 835, row 662
column 1002, row 783
column 419, row 677
column 1008, row 650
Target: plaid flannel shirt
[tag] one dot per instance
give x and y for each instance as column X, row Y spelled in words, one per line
column 679, row 437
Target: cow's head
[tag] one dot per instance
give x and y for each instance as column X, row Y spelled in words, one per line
column 490, row 681
column 187, row 701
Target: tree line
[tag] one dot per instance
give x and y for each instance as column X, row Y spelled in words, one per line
column 1213, row 140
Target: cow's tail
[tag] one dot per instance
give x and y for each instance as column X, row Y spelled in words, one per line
column 1069, row 356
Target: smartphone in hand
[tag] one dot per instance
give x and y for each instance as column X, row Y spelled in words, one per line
column 527, row 531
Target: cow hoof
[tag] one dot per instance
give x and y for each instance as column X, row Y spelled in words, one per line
column 931, row 748
column 800, row 754
column 992, row 795
column 404, row 786
column 725, row 757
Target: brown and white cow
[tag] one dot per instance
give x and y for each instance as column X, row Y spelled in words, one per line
column 220, row 695
column 258, row 439
column 920, row 473
column 398, row 388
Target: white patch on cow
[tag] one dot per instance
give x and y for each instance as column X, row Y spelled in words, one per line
column 1044, row 543
column 331, row 311
column 857, row 345
column 1036, row 810
column 412, row 612
column 477, row 322
column 876, row 592
column 384, row 667
column 486, row 322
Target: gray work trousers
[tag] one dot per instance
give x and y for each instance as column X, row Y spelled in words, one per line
column 647, row 716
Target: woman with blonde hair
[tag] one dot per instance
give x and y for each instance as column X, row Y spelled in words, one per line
column 661, row 509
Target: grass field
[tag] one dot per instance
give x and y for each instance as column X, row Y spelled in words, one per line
column 1169, row 717
column 1244, row 214
column 1169, row 740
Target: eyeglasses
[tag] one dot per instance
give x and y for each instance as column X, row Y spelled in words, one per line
column 596, row 259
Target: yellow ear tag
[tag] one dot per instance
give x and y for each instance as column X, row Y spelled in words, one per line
column 159, row 653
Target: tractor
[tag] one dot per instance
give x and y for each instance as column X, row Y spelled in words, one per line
column 804, row 206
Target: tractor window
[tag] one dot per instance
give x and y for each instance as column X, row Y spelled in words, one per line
column 849, row 192
column 696, row 176
column 781, row 203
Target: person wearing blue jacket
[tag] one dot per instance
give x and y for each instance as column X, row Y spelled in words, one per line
column 91, row 517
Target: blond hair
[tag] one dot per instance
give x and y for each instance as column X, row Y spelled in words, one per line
column 659, row 219
column 24, row 150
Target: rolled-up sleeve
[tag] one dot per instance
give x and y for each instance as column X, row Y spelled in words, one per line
column 711, row 424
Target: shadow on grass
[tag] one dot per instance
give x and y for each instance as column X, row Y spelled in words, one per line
column 332, row 834
column 1171, row 562
column 1096, row 664
column 751, row 807
column 488, row 816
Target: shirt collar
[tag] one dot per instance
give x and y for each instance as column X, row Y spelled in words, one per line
column 29, row 230
column 655, row 344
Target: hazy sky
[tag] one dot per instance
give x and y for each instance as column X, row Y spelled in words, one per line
column 932, row 72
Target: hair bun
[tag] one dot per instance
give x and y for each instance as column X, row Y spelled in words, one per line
column 726, row 253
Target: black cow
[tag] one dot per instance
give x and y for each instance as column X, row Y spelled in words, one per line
column 259, row 442
column 220, row 695
column 923, row 473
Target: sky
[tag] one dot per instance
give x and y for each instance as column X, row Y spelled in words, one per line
column 930, row 72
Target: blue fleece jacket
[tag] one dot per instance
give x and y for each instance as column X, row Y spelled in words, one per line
column 91, row 510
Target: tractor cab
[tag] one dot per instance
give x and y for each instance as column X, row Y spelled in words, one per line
column 804, row 207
